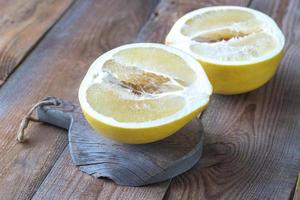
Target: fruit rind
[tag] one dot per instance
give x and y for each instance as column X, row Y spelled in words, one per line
column 229, row 80
column 140, row 135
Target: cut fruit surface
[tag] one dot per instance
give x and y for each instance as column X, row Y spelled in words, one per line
column 109, row 101
column 230, row 41
column 143, row 92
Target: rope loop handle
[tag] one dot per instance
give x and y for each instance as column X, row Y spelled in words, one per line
column 28, row 117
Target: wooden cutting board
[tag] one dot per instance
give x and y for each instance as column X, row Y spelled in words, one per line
column 131, row 165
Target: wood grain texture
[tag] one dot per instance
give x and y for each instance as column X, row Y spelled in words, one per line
column 70, row 183
column 169, row 11
column 22, row 24
column 130, row 165
column 56, row 67
column 255, row 136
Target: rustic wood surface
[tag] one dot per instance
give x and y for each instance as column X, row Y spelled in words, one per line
column 252, row 146
column 22, row 25
column 55, row 67
column 259, row 131
column 73, row 184
column 128, row 165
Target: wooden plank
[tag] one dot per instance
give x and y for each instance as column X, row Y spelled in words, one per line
column 252, row 140
column 56, row 67
column 65, row 181
column 22, row 24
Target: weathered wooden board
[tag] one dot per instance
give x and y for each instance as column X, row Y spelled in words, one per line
column 129, row 165
column 22, row 24
column 255, row 134
column 56, row 67
column 73, row 184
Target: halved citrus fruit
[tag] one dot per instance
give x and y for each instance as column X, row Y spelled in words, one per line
column 239, row 48
column 143, row 92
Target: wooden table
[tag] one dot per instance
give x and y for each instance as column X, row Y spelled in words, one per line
column 252, row 143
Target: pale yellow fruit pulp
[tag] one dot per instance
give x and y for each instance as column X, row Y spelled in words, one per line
column 239, row 48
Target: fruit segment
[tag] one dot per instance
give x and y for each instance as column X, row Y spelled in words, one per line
column 247, row 47
column 157, row 60
column 113, row 101
column 139, row 81
column 226, row 21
